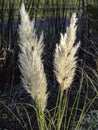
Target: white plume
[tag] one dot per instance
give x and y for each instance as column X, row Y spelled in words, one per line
column 31, row 66
column 65, row 60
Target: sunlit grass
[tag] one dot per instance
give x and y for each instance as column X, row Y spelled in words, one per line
column 61, row 117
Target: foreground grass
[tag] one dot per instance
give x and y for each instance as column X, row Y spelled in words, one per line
column 65, row 118
column 78, row 116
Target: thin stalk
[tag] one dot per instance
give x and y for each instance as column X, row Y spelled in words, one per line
column 12, row 114
column 76, row 103
column 41, row 120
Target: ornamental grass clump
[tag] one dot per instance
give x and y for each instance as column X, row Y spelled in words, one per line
column 65, row 59
column 33, row 76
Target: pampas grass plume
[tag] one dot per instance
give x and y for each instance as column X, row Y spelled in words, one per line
column 65, row 59
column 33, row 76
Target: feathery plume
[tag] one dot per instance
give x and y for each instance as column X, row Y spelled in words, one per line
column 65, row 60
column 33, row 76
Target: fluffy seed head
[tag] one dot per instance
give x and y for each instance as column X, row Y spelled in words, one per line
column 65, row 59
column 33, row 76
